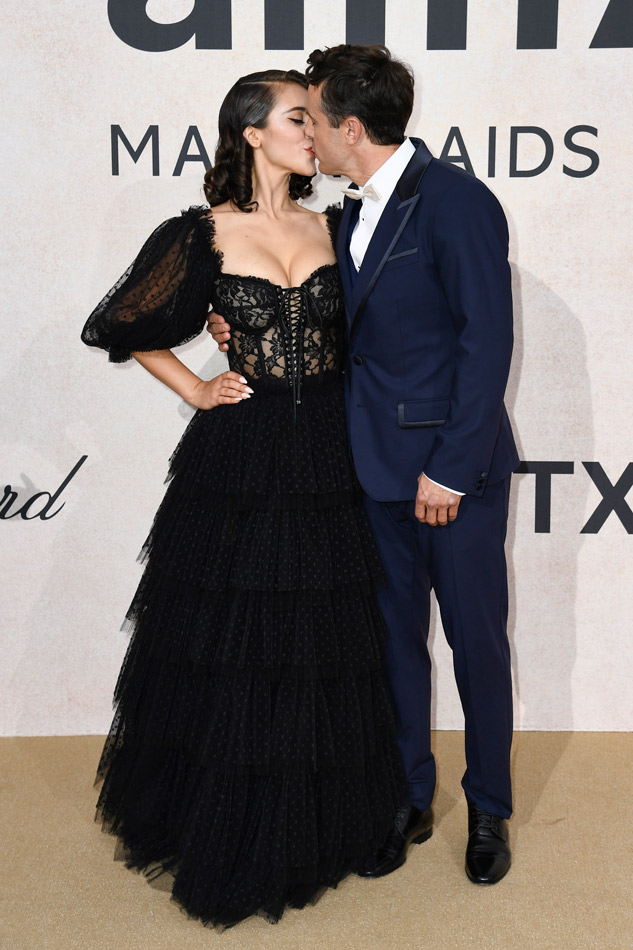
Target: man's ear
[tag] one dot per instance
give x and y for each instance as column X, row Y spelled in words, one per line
column 353, row 130
column 252, row 136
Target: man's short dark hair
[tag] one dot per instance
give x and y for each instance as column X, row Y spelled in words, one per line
column 366, row 82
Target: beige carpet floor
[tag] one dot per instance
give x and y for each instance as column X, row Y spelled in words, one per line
column 570, row 886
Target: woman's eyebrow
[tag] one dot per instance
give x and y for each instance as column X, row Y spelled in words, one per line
column 297, row 109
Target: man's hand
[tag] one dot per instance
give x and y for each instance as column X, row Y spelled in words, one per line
column 435, row 505
column 219, row 330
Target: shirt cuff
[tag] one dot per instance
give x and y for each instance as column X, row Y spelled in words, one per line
column 445, row 487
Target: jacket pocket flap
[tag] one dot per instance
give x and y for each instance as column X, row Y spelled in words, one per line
column 422, row 413
column 409, row 256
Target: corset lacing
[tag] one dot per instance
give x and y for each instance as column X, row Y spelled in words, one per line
column 297, row 308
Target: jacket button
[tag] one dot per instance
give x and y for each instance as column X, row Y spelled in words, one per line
column 358, row 360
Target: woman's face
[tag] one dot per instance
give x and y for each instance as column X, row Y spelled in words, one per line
column 283, row 141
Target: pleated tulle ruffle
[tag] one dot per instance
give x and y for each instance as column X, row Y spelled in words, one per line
column 252, row 756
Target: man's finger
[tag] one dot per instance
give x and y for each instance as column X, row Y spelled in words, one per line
column 452, row 512
column 442, row 516
column 431, row 515
column 214, row 317
column 214, row 320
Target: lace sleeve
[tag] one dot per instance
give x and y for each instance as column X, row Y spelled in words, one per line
column 333, row 213
column 162, row 299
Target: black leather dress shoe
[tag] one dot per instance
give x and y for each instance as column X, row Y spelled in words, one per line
column 410, row 826
column 487, row 853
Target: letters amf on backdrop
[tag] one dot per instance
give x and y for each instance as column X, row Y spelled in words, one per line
column 447, row 24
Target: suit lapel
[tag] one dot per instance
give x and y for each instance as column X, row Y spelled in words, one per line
column 380, row 240
column 391, row 225
column 342, row 255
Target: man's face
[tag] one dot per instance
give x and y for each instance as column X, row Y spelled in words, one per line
column 328, row 143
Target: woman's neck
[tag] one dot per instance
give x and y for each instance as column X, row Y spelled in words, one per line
column 270, row 191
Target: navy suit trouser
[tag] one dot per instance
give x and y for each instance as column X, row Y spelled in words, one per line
column 464, row 564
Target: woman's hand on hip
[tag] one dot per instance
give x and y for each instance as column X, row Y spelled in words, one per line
column 224, row 389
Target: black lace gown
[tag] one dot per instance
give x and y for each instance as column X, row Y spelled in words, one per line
column 253, row 753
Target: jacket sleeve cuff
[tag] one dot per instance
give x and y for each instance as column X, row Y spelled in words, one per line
column 453, row 491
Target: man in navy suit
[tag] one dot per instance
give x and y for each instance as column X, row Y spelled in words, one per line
column 422, row 249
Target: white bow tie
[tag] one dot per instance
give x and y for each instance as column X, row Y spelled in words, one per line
column 367, row 192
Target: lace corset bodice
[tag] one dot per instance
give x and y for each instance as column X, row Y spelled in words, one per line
column 283, row 338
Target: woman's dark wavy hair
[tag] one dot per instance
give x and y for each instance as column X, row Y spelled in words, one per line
column 364, row 81
column 248, row 102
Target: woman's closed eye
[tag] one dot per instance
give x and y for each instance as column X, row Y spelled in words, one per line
column 299, row 121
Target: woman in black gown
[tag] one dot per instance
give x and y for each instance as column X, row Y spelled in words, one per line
column 253, row 752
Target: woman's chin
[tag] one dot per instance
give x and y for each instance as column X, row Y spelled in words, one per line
column 307, row 171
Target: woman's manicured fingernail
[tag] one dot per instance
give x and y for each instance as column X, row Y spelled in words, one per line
column 242, row 380
column 249, row 390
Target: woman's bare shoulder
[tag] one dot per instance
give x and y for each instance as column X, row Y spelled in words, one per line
column 227, row 207
column 316, row 217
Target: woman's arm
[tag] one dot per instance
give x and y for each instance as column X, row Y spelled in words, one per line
column 161, row 301
column 226, row 388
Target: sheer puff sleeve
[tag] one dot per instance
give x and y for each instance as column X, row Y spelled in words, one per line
column 162, row 299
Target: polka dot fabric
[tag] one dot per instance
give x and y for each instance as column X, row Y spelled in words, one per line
column 252, row 756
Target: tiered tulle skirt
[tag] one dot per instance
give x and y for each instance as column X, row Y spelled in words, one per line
column 253, row 754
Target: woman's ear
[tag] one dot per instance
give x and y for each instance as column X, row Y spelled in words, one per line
column 252, row 136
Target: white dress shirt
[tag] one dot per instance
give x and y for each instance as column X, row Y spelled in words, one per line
column 383, row 183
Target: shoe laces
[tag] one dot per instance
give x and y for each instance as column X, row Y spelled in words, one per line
column 489, row 821
column 484, row 820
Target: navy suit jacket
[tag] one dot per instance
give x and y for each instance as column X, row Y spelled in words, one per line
column 430, row 336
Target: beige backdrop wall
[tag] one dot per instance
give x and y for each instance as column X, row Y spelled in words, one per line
column 71, row 226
